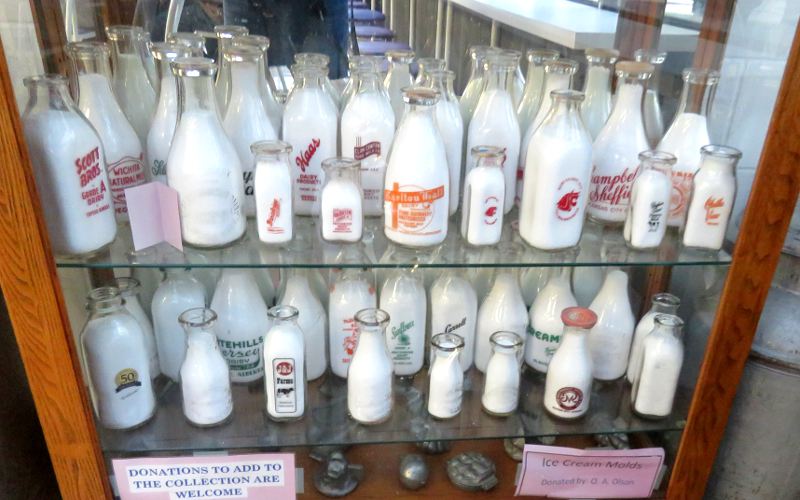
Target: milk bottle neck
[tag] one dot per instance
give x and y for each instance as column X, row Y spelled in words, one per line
column 196, row 94
column 669, row 326
column 126, row 41
column 630, row 94
column 663, row 307
column 444, row 84
column 696, row 95
column 245, row 77
column 201, row 339
column 574, row 338
column 423, row 111
column 598, row 79
column 48, row 93
column 565, row 105
column 368, row 82
column 104, row 301
column 92, row 63
column 497, row 77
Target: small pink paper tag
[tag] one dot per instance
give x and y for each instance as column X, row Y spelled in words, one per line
column 154, row 216
column 558, row 472
column 257, row 476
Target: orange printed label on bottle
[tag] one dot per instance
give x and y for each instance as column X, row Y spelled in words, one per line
column 712, row 206
column 412, row 209
column 681, row 187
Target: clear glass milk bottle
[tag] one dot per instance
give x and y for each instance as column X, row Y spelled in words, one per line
column 121, row 144
column 273, row 191
column 484, row 196
column 454, row 309
column 545, row 327
column 653, row 118
column 403, row 298
column 500, row 395
column 367, row 132
column 687, row 134
column 129, row 289
column 284, row 365
column 533, row 93
column 597, row 106
column 194, row 42
column 117, row 362
column 204, row 375
column 417, row 184
column 162, row 128
column 445, row 377
column 662, row 303
column 222, row 86
column 321, row 62
column 311, row 319
column 494, row 122
column 713, row 194
column 352, row 290
column 397, row 79
column 568, row 386
column 503, row 309
column 341, row 211
column 266, row 85
column 557, row 175
column 451, row 127
column 204, row 167
column 70, row 169
column 472, row 91
column 310, row 124
column 610, row 340
column 369, row 377
column 617, row 146
column 424, row 67
column 646, row 222
column 654, row 391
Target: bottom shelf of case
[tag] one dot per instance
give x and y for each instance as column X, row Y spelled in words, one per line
column 326, row 421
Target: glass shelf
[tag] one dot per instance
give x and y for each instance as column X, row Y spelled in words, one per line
column 327, row 423
column 599, row 246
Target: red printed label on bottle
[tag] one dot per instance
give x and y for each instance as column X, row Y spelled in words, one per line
column 303, row 159
column 569, row 192
column 412, row 211
column 610, row 193
column 681, row 188
column 285, row 378
column 363, row 151
column 342, row 220
column 94, row 191
column 569, row 398
column 124, row 173
column 490, row 210
column 712, row 206
column 272, row 217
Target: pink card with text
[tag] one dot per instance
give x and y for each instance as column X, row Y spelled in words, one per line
column 154, row 216
column 558, row 472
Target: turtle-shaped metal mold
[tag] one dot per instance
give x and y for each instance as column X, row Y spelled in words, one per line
column 472, row 471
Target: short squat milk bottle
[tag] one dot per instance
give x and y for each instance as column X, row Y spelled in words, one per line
column 568, row 386
column 597, row 105
column 451, row 127
column 445, row 379
column 284, row 365
column 545, row 326
column 662, row 303
column 617, row 146
column 403, row 297
column 129, row 289
column 204, row 167
column 265, row 83
column 534, row 86
column 557, row 175
column 311, row 319
column 222, row 85
column 712, row 198
column 398, row 78
column 273, row 191
column 651, row 109
column 501, row 386
column 70, row 169
column 646, row 222
column 342, row 202
column 352, row 290
column 121, row 145
column 117, row 363
column 369, row 377
column 502, row 310
column 653, row 393
column 484, row 196
column 417, row 185
column 610, row 339
column 454, row 309
column 205, row 378
column 310, row 123
column 687, row 134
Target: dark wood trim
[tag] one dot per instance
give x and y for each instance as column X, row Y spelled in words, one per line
column 639, row 25
column 49, row 23
column 714, row 33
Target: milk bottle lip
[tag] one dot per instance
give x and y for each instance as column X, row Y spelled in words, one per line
column 46, row 79
column 700, row 76
column 400, row 56
column 372, row 317
column 561, row 66
column 601, row 56
column 283, row 313
column 660, row 157
column 123, row 32
column 270, row 148
column 634, row 70
column 432, row 63
column 538, row 56
column 169, row 51
column 666, row 299
column 486, row 152
column 652, row 56
column 229, row 30
column 443, row 74
column 340, row 163
column 193, row 66
column 420, row 95
column 260, row 41
column 127, row 286
column 720, row 151
column 312, row 59
column 668, row 320
column 197, row 317
column 579, row 317
column 567, row 95
column 242, row 53
column 81, row 49
column 447, row 342
column 505, row 339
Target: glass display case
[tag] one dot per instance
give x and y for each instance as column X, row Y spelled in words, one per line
column 665, row 77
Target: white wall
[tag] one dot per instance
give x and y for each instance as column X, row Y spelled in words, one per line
column 20, row 44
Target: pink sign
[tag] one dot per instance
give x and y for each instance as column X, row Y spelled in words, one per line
column 255, row 476
column 153, row 211
column 558, row 472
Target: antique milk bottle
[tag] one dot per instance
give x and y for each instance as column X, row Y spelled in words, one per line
column 646, row 222
column 654, row 391
column 321, row 62
column 222, row 86
column 265, row 83
column 534, row 86
column 568, row 386
column 342, row 201
column 545, row 326
column 311, row 319
column 451, row 127
column 284, row 366
column 403, row 298
column 351, row 291
column 662, row 303
column 610, row 339
column 597, row 88
column 129, row 289
column 369, row 378
column 502, row 310
column 484, row 195
column 501, row 386
column 472, row 91
column 273, row 191
column 653, row 118
column 446, row 378
column 425, row 65
column 397, row 79
column 355, row 64
column 70, row 169
column 454, row 309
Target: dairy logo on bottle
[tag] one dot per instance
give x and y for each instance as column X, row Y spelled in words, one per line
column 412, row 209
column 656, row 213
column 569, row 398
column 88, row 169
column 342, row 220
column 304, row 158
column 612, row 189
column 490, row 210
column 681, row 187
column 712, row 206
column 285, row 394
column 284, row 368
column 127, row 378
column 272, row 217
column 567, row 204
column 350, row 342
column 450, row 328
column 369, row 149
column 159, row 168
column 399, row 332
column 124, row 173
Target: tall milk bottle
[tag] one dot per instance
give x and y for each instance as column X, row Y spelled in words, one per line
column 646, row 222
column 266, row 85
column 610, row 338
column 403, row 297
column 597, row 106
column 557, row 76
column 494, row 122
column 533, row 94
column 617, row 147
column 653, row 117
column 417, row 184
column 454, row 309
column 687, row 134
column 472, row 91
column 516, row 83
column 310, row 123
column 352, row 290
column 322, row 62
column 398, row 78
column 312, row 320
column 203, row 164
column 222, row 85
column 546, row 328
column 502, row 310
column 121, row 145
column 135, row 94
column 662, row 303
column 69, row 167
column 451, row 127
column 246, row 120
column 368, row 126
column 557, row 174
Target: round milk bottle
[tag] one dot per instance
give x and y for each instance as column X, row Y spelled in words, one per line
column 445, row 379
column 534, row 86
column 425, row 65
column 70, row 169
column 310, row 122
column 398, row 78
column 597, row 105
column 369, row 378
column 568, row 386
column 222, row 86
column 451, row 127
column 494, row 122
column 129, row 289
column 273, row 191
column 284, row 366
column 484, row 196
column 454, row 309
column 403, row 298
column 654, row 391
column 646, row 222
column 417, row 184
column 266, row 85
column 311, row 319
column 121, row 145
column 557, row 173
column 204, row 167
column 501, row 386
column 502, row 310
column 610, row 339
column 351, row 291
column 653, row 118
column 662, row 303
column 341, row 208
column 687, row 134
column 617, row 146
column 546, row 327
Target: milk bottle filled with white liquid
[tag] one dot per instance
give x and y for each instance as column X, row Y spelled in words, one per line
column 515, row 84
column 451, row 127
column 322, row 62
column 135, row 94
column 352, row 291
column 651, row 108
column 310, row 123
column 70, row 169
column 646, row 221
column 222, row 85
column 284, row 366
column 484, row 195
column 557, row 76
column 417, row 184
column 273, row 191
column 472, row 91
column 403, row 297
column 494, row 122
column 121, row 145
column 568, row 387
column 454, row 309
column 246, row 120
column 653, row 393
column 341, row 207
column 397, row 79
column 501, row 386
column 662, row 303
column 265, row 83
column 425, row 65
column 557, row 175
column 204, row 166
column 159, row 137
column 502, row 310
column 369, row 379
column 311, row 319
column 367, row 131
column 617, row 147
column 610, row 339
column 712, row 198
column 129, row 289
column 533, row 93
column 687, row 134
column 597, row 106
column 445, row 379
column 546, row 328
